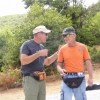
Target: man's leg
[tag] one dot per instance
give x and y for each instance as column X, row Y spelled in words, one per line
column 42, row 90
column 80, row 92
column 31, row 88
column 66, row 92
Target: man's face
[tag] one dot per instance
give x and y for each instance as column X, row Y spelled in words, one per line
column 43, row 36
column 70, row 37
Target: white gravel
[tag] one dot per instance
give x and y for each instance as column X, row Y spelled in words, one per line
column 91, row 95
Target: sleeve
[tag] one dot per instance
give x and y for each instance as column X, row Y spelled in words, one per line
column 24, row 49
column 60, row 56
column 86, row 54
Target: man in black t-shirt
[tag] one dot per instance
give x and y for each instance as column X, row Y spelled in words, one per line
column 33, row 56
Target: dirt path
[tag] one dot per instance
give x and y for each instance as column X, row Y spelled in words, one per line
column 51, row 89
column 17, row 93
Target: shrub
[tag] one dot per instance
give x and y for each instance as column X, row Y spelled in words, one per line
column 10, row 79
column 95, row 54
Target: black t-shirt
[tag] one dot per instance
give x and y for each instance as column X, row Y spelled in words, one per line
column 30, row 47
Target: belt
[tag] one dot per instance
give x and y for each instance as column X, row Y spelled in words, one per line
column 74, row 73
column 36, row 75
column 26, row 74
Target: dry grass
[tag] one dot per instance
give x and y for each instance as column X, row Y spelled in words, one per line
column 9, row 79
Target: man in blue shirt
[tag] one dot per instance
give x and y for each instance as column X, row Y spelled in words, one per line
column 33, row 56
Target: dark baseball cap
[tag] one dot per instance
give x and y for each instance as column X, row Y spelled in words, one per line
column 68, row 30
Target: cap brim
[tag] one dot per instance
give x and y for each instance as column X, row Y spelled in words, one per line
column 48, row 31
column 65, row 33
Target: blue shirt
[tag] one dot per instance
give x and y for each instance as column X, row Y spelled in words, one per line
column 30, row 47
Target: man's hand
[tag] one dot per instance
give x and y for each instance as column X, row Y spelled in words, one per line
column 59, row 47
column 90, row 82
column 43, row 52
column 62, row 72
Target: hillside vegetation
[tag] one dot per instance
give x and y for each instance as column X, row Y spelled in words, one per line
column 15, row 29
column 12, row 20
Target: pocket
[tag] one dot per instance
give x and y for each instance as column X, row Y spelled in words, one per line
column 61, row 95
column 25, row 83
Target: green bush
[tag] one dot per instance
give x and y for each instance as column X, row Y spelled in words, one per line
column 95, row 54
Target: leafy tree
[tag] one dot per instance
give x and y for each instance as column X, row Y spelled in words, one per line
column 28, row 2
column 38, row 16
column 5, row 35
column 93, row 9
column 76, row 11
column 95, row 27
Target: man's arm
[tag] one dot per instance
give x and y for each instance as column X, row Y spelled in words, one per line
column 90, row 72
column 25, row 59
column 60, row 69
column 51, row 59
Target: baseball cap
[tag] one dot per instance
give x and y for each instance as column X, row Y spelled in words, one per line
column 41, row 28
column 68, row 30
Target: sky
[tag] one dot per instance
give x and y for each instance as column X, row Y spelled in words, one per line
column 11, row 7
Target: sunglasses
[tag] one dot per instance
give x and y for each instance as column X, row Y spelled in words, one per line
column 46, row 34
column 67, row 35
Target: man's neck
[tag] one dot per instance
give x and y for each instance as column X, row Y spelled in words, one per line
column 36, row 40
column 73, row 44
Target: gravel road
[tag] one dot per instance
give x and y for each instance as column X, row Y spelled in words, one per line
column 91, row 95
